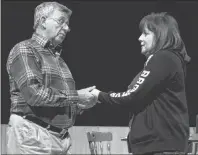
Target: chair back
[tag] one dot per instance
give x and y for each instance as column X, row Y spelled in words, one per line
column 193, row 140
column 96, row 140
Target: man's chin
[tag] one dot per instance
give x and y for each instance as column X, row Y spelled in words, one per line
column 60, row 38
column 58, row 41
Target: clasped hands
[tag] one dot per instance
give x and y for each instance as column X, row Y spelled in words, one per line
column 88, row 97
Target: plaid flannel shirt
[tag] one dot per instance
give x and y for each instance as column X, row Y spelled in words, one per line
column 38, row 77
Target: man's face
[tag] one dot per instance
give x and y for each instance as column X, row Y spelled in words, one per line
column 147, row 40
column 56, row 27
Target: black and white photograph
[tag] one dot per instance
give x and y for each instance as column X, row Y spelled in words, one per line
column 99, row 77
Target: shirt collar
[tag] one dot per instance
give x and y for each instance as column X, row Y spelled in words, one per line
column 40, row 39
column 45, row 43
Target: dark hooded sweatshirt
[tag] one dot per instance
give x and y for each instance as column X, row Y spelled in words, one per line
column 157, row 99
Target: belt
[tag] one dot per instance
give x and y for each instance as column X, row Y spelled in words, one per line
column 63, row 132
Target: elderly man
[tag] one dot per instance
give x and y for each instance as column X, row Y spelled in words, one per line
column 44, row 101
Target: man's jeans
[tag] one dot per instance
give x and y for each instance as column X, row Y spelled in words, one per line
column 25, row 137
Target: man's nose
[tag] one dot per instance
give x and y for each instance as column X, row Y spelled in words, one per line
column 66, row 27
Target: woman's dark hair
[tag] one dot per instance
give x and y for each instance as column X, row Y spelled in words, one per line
column 166, row 31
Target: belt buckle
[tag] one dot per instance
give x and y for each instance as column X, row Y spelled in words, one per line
column 48, row 127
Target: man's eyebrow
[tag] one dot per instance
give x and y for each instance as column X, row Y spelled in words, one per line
column 63, row 17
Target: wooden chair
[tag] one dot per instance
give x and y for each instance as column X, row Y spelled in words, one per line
column 96, row 140
column 193, row 140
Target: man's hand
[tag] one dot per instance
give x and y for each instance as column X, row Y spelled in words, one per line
column 95, row 92
column 86, row 99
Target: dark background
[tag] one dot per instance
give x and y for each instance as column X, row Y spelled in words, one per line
column 102, row 49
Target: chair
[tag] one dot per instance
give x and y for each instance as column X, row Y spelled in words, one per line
column 194, row 139
column 95, row 140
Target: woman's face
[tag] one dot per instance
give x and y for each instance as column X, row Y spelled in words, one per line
column 147, row 40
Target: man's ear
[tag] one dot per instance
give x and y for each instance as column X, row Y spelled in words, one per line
column 43, row 22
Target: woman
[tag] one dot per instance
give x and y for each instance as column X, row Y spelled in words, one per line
column 157, row 97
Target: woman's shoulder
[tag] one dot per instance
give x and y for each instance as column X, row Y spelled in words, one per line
column 163, row 57
column 168, row 55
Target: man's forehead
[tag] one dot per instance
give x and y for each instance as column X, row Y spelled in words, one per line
column 58, row 13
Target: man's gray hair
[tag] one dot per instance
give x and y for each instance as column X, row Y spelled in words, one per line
column 47, row 8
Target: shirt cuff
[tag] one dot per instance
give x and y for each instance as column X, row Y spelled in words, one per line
column 71, row 97
column 101, row 96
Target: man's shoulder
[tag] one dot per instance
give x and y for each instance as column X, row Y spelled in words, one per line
column 24, row 43
column 20, row 47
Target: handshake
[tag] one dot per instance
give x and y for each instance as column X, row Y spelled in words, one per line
column 88, row 97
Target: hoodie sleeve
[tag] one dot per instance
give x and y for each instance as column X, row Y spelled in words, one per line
column 158, row 68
